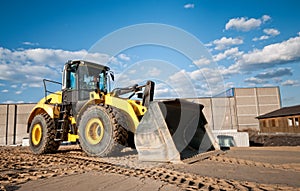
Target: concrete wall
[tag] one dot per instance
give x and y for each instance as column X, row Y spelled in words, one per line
column 3, row 121
column 13, row 123
column 239, row 110
column 268, row 100
column 219, row 112
column 223, row 110
column 252, row 102
column 236, row 112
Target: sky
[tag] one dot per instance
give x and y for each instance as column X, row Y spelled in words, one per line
column 190, row 48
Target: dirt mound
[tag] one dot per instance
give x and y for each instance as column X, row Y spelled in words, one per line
column 274, row 139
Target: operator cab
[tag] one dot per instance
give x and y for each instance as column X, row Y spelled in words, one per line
column 80, row 78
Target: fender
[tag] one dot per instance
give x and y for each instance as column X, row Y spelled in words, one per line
column 50, row 108
column 127, row 108
column 42, row 108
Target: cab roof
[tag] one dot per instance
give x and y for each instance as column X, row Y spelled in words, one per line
column 88, row 64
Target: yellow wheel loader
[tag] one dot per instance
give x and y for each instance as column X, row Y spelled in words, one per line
column 103, row 121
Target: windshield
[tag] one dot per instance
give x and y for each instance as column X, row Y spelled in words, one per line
column 92, row 78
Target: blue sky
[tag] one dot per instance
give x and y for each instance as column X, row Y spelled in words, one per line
column 248, row 44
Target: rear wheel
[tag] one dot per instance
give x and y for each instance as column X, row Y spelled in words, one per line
column 99, row 131
column 42, row 134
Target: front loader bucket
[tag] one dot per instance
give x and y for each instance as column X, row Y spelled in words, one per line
column 171, row 128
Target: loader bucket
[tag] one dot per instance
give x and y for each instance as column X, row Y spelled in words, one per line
column 170, row 130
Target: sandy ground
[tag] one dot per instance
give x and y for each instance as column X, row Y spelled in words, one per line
column 263, row 165
column 97, row 181
column 254, row 168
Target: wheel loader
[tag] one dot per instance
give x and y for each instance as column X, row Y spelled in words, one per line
column 103, row 121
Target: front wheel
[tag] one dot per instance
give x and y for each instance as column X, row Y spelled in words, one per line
column 99, row 132
column 42, row 134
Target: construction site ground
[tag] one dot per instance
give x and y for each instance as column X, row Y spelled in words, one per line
column 251, row 168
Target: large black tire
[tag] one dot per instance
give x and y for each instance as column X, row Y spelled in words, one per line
column 100, row 134
column 42, row 134
column 125, row 121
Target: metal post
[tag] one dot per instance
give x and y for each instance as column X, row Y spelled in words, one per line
column 6, row 131
column 212, row 113
column 15, row 125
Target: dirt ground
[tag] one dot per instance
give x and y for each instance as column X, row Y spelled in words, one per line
column 253, row 168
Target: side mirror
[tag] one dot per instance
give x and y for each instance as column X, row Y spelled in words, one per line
column 112, row 76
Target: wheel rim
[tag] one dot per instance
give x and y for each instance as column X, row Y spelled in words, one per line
column 94, row 131
column 36, row 134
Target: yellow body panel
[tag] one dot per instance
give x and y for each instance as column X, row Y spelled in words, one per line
column 42, row 107
column 128, row 106
column 137, row 106
column 72, row 137
column 72, row 119
column 54, row 98
column 133, row 108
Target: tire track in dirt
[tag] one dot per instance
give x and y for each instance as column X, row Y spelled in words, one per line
column 231, row 160
column 19, row 166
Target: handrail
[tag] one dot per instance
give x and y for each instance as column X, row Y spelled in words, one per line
column 45, row 87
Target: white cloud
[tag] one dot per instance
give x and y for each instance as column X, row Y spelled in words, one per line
column 272, row 32
column 263, row 37
column 269, row 32
column 271, row 55
column 290, row 83
column 30, row 66
column 10, row 102
column 30, row 43
column 189, row 6
column 124, row 57
column 275, row 73
column 265, row 18
column 228, row 71
column 154, row 72
column 225, row 42
column 35, row 85
column 254, row 80
column 4, row 91
column 132, row 71
column 18, row 92
column 202, row 61
column 229, row 85
column 233, row 52
column 245, row 24
column 208, row 81
column 186, row 84
column 208, row 44
column 162, row 90
column 174, row 82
